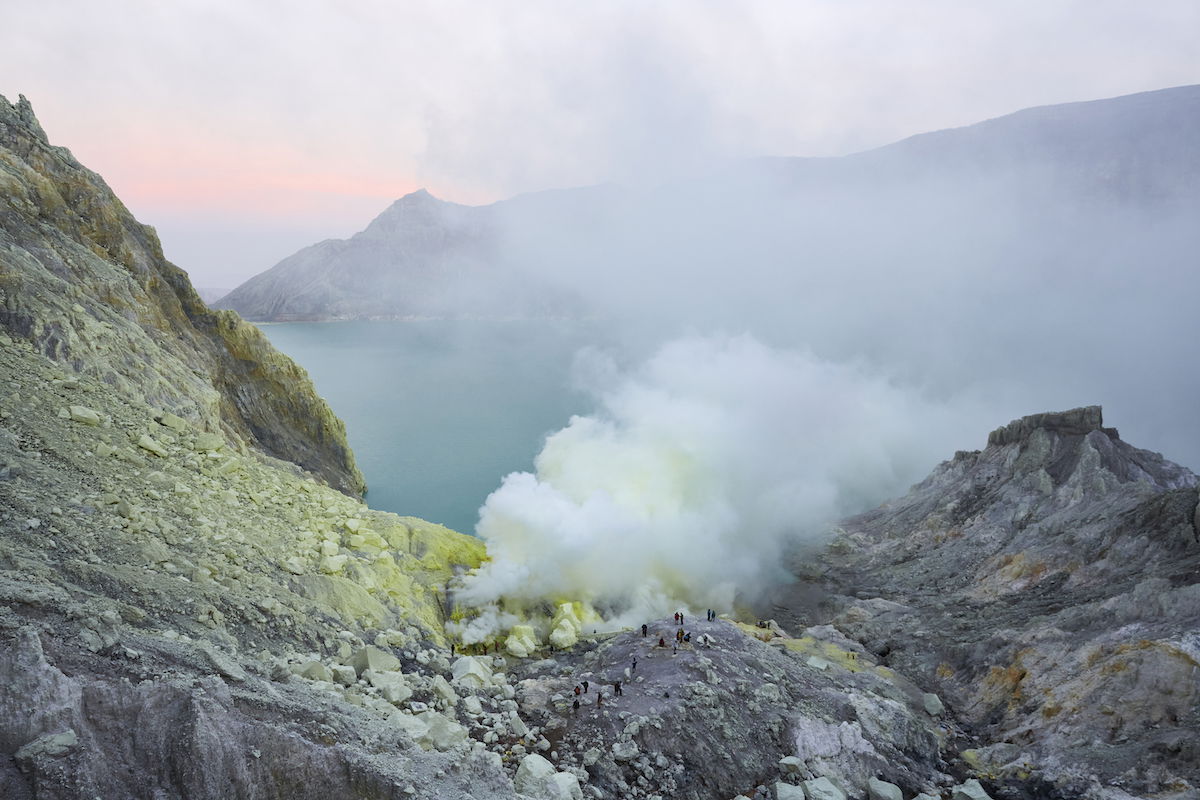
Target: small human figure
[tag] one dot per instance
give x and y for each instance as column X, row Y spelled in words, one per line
column 616, row 688
column 687, row 637
column 452, row 649
column 662, row 642
column 645, row 630
column 585, row 685
column 676, row 617
column 633, row 666
column 575, row 705
column 679, row 636
column 674, row 650
column 680, row 617
column 578, row 690
column 599, row 699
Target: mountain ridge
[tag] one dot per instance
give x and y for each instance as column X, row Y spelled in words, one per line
column 1133, row 150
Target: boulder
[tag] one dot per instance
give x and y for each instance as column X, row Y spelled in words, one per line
column 625, row 751
column 415, row 727
column 346, row 676
column 971, row 790
column 521, row 641
column 169, row 420
column 391, row 685
column 444, row 690
column 314, row 671
column 566, row 786
column 786, row 791
column 443, row 733
column 822, row 789
column 371, row 657
column 51, row 745
column 208, row 443
column 791, row 765
column 882, row 790
column 537, row 779
column 151, row 445
column 471, row 671
column 933, row 704
column 84, row 415
column 566, row 626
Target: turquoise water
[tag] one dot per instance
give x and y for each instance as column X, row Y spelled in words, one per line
column 439, row 411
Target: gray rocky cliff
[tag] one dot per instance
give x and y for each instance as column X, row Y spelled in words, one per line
column 88, row 285
column 1048, row 587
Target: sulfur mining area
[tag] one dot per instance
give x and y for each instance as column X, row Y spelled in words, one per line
column 195, row 603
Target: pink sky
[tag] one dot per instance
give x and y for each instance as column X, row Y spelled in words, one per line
column 246, row 130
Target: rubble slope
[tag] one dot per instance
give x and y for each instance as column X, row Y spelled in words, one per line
column 1048, row 587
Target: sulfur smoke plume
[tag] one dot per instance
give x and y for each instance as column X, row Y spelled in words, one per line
column 698, row 471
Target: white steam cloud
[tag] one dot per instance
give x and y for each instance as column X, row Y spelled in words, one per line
column 697, row 472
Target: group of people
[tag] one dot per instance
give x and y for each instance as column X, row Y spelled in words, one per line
column 583, row 686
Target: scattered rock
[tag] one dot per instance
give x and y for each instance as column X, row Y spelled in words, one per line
column 971, row 790
column 787, row 791
column 933, row 704
column 150, row 444
column 175, row 423
column 51, row 745
column 791, row 765
column 471, row 671
column 372, row 658
column 625, row 751
column 822, row 789
column 85, row 415
column 315, row 671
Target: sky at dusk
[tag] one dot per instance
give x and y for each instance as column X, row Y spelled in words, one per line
column 246, row 130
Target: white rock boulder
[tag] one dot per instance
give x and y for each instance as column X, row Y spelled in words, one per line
column 823, row 789
column 471, row 671
column 882, row 790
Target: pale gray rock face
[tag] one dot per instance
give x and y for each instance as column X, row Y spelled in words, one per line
column 1048, row 588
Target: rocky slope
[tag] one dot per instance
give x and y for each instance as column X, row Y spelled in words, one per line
column 1048, row 587
column 88, row 286
column 184, row 613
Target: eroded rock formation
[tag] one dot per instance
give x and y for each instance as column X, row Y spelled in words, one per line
column 1048, row 587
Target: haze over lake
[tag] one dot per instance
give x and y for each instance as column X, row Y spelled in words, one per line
column 439, row 411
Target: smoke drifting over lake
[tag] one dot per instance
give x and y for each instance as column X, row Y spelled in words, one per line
column 895, row 305
column 700, row 466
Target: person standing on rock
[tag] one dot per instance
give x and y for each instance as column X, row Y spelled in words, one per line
column 645, row 630
column 585, row 687
column 633, row 666
column 616, row 688
column 575, row 705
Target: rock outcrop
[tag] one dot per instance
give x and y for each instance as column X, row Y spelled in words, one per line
column 1048, row 588
column 88, row 286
